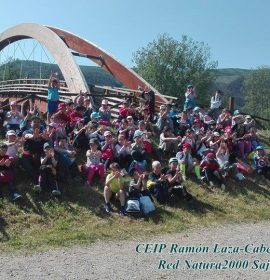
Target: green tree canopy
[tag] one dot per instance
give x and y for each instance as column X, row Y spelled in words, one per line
column 256, row 90
column 169, row 65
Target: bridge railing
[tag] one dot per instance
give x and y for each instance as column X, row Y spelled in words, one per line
column 25, row 85
column 30, row 81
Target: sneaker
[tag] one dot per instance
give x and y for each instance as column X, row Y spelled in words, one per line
column 240, row 177
column 223, row 187
column 16, row 196
column 211, row 184
column 108, row 208
column 37, row 189
column 56, row 193
column 122, row 212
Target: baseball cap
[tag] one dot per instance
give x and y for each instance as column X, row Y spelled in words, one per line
column 104, row 102
column 162, row 107
column 47, row 145
column 236, row 112
column 95, row 115
column 216, row 134
column 197, row 109
column 61, row 106
column 93, row 141
column 107, row 133
column 11, row 132
column 186, row 146
column 174, row 159
column 189, row 86
column 210, row 155
column 137, row 133
column 259, row 148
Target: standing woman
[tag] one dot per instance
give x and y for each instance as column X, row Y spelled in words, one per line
column 190, row 95
column 53, row 95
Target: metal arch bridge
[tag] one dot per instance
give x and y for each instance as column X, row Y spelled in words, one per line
column 63, row 46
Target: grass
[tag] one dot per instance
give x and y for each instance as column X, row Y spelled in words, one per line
column 39, row 223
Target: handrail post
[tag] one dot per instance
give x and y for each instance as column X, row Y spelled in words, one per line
column 231, row 103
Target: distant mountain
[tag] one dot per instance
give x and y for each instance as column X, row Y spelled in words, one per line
column 94, row 75
column 229, row 80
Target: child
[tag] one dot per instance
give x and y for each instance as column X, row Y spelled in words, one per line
column 210, row 167
column 66, row 159
column 12, row 144
column 47, row 178
column 261, row 162
column 226, row 167
column 168, row 142
column 108, row 149
column 94, row 164
column 174, row 178
column 187, row 163
column 6, row 173
column 123, row 151
column 114, row 185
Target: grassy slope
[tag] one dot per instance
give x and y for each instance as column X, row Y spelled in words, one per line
column 78, row 217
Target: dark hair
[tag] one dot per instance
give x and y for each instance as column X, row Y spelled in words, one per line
column 114, row 165
column 166, row 129
column 3, row 146
column 79, row 108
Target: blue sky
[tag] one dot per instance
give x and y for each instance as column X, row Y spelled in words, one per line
column 236, row 30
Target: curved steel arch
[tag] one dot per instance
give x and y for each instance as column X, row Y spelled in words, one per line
column 55, row 45
column 59, row 42
column 127, row 76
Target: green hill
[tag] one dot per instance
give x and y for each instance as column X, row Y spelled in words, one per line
column 16, row 69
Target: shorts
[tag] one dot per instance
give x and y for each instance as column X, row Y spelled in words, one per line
column 52, row 106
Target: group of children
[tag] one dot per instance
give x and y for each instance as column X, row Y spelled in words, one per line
column 121, row 152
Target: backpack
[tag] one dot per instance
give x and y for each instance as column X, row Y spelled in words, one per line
column 147, row 204
column 133, row 206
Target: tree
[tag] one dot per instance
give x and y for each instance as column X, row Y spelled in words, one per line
column 256, row 90
column 9, row 70
column 169, row 65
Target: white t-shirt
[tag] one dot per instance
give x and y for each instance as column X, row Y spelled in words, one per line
column 222, row 159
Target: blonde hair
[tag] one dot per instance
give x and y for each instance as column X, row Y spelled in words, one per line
column 155, row 164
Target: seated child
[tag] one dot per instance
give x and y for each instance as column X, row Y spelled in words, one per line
column 226, row 167
column 115, row 185
column 47, row 178
column 94, row 164
column 210, row 168
column 187, row 163
column 261, row 162
column 174, row 178
column 6, row 173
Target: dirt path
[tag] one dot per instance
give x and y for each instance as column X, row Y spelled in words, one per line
column 119, row 260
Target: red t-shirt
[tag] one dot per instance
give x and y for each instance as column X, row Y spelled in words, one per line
column 213, row 165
